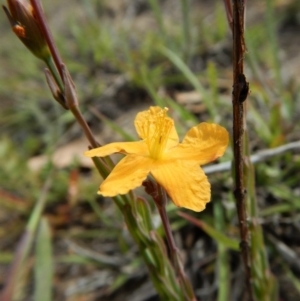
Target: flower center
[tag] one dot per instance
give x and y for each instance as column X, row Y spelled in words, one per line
column 157, row 127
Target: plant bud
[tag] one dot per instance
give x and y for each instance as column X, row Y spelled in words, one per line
column 24, row 24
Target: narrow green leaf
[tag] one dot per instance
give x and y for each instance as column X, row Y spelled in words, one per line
column 222, row 260
column 218, row 236
column 24, row 245
column 293, row 278
column 154, row 4
column 192, row 78
column 276, row 209
column 116, row 128
column 185, row 115
column 261, row 125
column 144, row 211
column 43, row 268
column 186, row 27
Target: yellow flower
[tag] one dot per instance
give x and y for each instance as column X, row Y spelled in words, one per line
column 174, row 165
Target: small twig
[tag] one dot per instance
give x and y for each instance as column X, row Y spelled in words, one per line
column 239, row 95
column 258, row 157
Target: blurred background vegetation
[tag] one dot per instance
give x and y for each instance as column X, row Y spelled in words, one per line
column 125, row 56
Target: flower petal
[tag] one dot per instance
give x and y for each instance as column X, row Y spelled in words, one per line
column 128, row 174
column 185, row 183
column 148, row 122
column 138, row 148
column 203, row 143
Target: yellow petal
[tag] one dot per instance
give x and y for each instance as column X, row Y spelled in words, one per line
column 150, row 122
column 128, row 174
column 185, row 183
column 138, row 148
column 203, row 143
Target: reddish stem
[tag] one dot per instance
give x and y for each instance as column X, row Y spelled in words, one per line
column 228, row 9
column 239, row 95
column 161, row 201
column 41, row 18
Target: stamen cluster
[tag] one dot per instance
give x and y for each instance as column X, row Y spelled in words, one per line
column 157, row 130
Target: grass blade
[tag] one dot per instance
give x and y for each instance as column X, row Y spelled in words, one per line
column 24, row 245
column 43, row 268
column 192, row 78
column 222, row 260
column 218, row 236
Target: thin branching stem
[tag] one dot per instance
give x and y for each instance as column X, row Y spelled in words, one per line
column 239, row 95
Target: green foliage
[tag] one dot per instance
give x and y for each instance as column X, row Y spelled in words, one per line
column 100, row 49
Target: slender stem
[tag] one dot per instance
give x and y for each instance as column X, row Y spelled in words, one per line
column 228, row 12
column 104, row 165
column 161, row 202
column 72, row 102
column 107, row 161
column 239, row 94
column 60, row 67
column 86, row 129
column 165, row 220
column 53, row 70
column 47, row 33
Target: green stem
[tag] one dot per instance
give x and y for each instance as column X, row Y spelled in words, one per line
column 50, row 64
